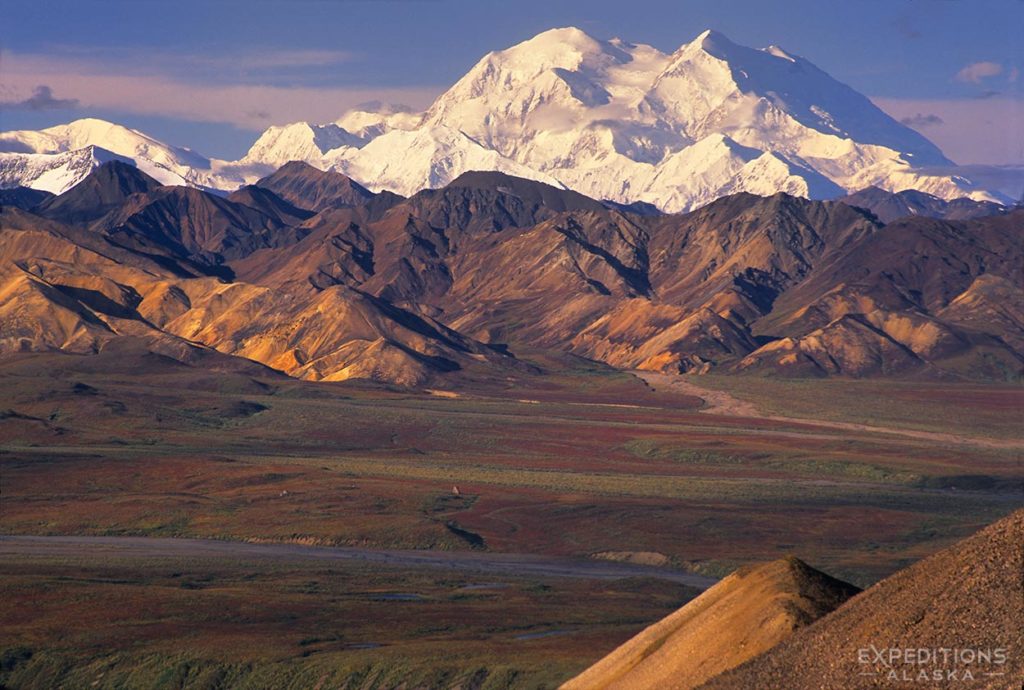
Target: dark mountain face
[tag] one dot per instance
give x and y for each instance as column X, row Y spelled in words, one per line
column 922, row 262
column 105, row 188
column 889, row 206
column 270, row 204
column 640, row 208
column 306, row 187
column 918, row 291
column 79, row 290
column 757, row 245
column 51, row 241
column 23, row 198
column 205, row 228
column 335, row 249
column 478, row 202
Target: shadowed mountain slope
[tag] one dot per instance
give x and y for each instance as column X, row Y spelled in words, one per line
column 270, row 204
column 81, row 290
column 746, row 282
column 23, row 198
column 889, row 206
column 492, row 201
column 206, row 228
column 310, row 188
column 105, row 188
column 897, row 299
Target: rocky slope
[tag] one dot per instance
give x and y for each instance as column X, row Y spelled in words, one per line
column 107, row 187
column 742, row 616
column 950, row 620
column 308, row 187
column 746, row 283
column 24, row 198
column 967, row 600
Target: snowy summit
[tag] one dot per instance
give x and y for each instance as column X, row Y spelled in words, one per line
column 613, row 120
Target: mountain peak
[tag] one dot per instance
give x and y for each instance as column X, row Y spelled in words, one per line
column 563, row 48
column 304, row 141
column 717, row 45
column 748, row 612
column 709, row 38
column 107, row 186
column 297, row 168
column 125, row 173
column 307, row 187
column 88, row 122
column 492, row 179
column 926, row 603
column 522, row 187
column 566, row 35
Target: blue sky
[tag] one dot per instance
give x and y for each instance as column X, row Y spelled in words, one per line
column 213, row 74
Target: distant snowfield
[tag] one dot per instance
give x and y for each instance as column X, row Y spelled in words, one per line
column 610, row 119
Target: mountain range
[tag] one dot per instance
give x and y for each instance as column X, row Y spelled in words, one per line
column 313, row 275
column 616, row 121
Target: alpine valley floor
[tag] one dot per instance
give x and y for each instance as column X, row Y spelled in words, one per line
column 567, row 460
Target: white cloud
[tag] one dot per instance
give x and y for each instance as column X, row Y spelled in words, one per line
column 976, row 71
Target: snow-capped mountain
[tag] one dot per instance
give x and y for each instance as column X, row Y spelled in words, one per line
column 629, row 123
column 57, row 158
column 300, row 141
column 611, row 119
column 54, row 172
column 406, row 161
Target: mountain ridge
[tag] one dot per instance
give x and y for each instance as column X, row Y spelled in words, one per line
column 776, row 285
column 613, row 120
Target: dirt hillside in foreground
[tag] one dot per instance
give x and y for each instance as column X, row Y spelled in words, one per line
column 745, row 614
column 968, row 597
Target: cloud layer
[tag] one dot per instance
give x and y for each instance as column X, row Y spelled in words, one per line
column 247, row 91
column 42, row 98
